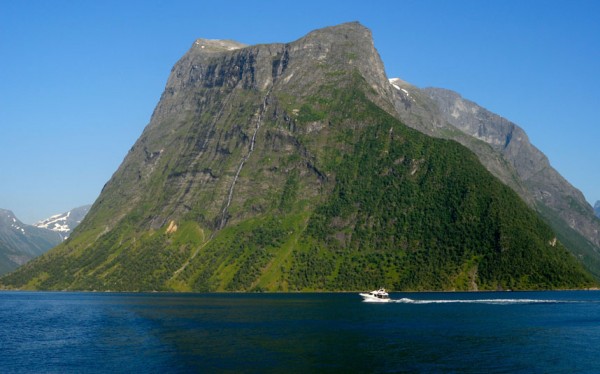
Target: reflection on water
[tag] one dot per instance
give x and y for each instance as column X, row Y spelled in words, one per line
column 95, row 332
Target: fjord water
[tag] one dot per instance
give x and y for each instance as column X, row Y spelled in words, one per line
column 420, row 332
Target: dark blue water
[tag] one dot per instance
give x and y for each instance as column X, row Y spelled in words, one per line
column 438, row 332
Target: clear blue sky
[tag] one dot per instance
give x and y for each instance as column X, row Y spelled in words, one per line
column 79, row 79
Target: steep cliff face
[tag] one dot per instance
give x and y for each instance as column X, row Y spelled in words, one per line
column 531, row 165
column 284, row 167
column 504, row 148
column 207, row 122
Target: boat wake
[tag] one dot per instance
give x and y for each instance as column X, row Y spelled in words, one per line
column 478, row 301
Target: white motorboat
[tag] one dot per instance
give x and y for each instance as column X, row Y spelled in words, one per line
column 377, row 296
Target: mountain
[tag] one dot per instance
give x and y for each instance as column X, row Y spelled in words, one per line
column 505, row 150
column 287, row 167
column 597, row 208
column 64, row 223
column 20, row 243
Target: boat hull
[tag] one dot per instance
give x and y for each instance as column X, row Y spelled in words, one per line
column 373, row 299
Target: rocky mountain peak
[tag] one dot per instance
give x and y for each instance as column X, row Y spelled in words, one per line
column 5, row 213
column 10, row 223
column 217, row 45
column 7, row 218
column 350, row 44
column 228, row 65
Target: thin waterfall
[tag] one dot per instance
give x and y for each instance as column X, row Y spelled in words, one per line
column 259, row 120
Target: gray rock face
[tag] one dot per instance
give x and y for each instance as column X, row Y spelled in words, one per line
column 419, row 110
column 597, row 208
column 228, row 64
column 541, row 180
column 504, row 136
column 205, row 93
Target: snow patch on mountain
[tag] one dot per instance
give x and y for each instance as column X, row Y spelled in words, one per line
column 57, row 222
column 64, row 223
column 396, row 83
column 20, row 242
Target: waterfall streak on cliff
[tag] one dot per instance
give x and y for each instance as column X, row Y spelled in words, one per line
column 259, row 120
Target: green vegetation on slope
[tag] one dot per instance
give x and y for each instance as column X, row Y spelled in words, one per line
column 419, row 213
column 585, row 251
column 396, row 209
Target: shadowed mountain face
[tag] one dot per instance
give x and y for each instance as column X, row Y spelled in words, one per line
column 597, row 208
column 286, row 167
column 20, row 243
column 504, row 148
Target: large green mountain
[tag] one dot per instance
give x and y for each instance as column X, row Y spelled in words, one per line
column 285, row 167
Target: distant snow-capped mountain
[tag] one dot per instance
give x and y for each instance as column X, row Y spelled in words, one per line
column 20, row 242
column 64, row 223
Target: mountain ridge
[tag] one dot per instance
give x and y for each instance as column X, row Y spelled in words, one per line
column 504, row 148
